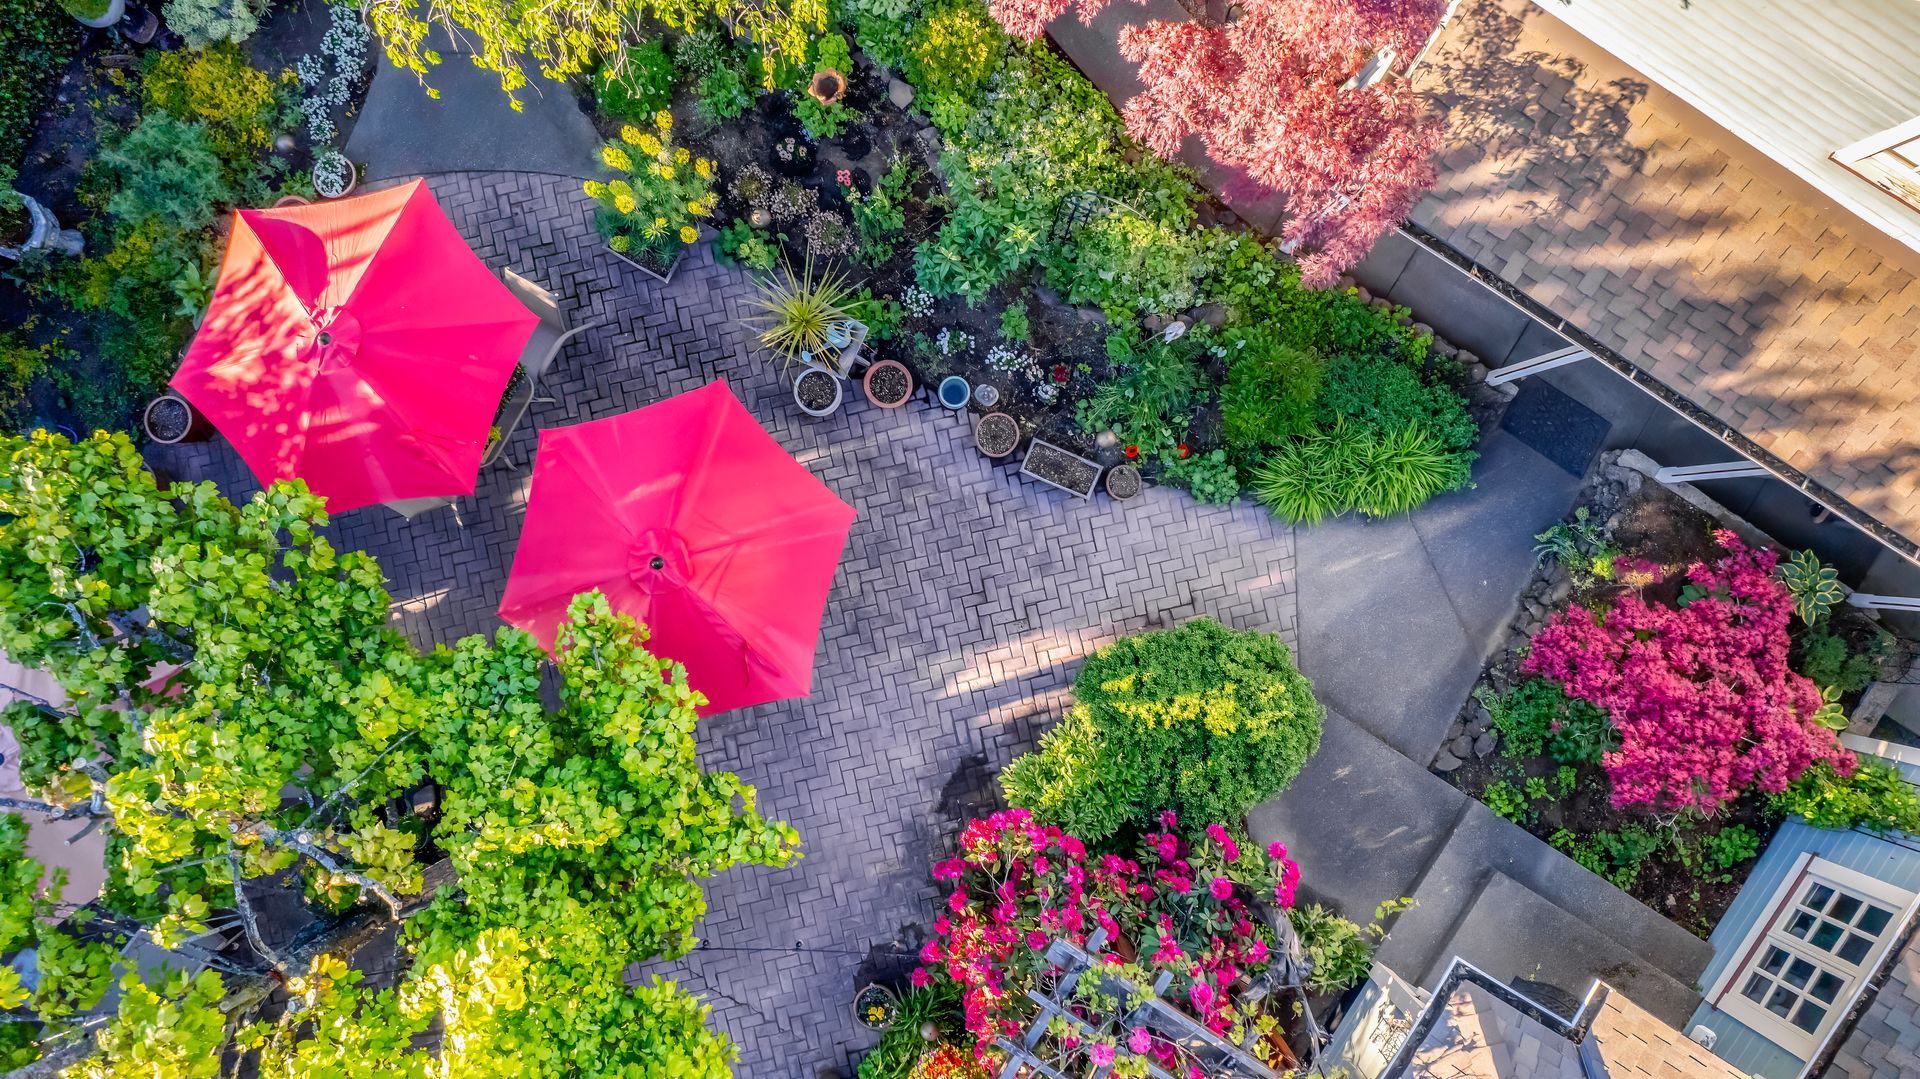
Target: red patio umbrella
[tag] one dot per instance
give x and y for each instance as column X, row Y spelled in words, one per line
column 358, row 345
column 692, row 519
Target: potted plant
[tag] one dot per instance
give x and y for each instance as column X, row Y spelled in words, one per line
column 169, row 419
column 828, row 86
column 876, row 1007
column 798, row 312
column 818, row 392
column 997, row 434
column 334, row 176
column 888, row 383
column 954, row 392
column 1123, row 482
column 98, row 14
column 26, row 225
column 652, row 213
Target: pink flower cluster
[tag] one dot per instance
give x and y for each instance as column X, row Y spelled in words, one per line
column 1017, row 885
column 1700, row 694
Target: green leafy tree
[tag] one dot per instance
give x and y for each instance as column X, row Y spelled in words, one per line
column 1202, row 720
column 509, row 37
column 238, row 715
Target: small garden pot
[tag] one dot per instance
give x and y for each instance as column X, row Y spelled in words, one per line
column 954, row 392
column 828, row 86
column 1123, row 482
column 285, row 201
column 997, row 434
column 334, row 176
column 888, row 383
column 664, row 278
column 817, row 392
column 170, row 420
column 876, row 1007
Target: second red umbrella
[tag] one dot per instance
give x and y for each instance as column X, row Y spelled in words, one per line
column 692, row 519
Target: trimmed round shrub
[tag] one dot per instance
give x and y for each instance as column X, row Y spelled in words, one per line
column 1202, row 720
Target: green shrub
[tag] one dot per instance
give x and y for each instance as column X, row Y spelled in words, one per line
column 37, row 39
column 743, row 245
column 1826, row 658
column 1201, row 720
column 1618, row 856
column 718, row 73
column 217, row 87
column 1014, row 323
column 1131, row 266
column 638, row 88
column 206, row 22
column 21, row 361
column 901, row 1044
column 1042, row 133
column 1728, row 847
column 953, row 49
column 1268, row 396
column 1537, row 717
column 1333, row 471
column 1341, row 949
column 881, row 27
column 1208, row 477
column 1875, row 797
column 1380, row 395
column 166, row 171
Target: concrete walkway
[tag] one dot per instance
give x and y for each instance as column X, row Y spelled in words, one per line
column 471, row 126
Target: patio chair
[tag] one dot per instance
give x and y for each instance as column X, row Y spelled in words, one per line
column 549, row 337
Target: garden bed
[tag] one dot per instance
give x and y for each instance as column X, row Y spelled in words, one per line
column 1534, row 754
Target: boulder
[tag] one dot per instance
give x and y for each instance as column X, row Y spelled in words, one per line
column 1211, row 314
column 1446, row 762
column 899, row 93
column 1484, row 745
column 1460, row 746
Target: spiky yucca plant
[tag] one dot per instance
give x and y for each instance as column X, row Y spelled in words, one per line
column 796, row 310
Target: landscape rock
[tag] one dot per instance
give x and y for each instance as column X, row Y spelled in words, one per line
column 1363, row 295
column 1480, row 722
column 1461, row 746
column 1508, row 390
column 1446, row 762
column 899, row 93
column 1561, row 590
column 1211, row 314
column 1484, row 745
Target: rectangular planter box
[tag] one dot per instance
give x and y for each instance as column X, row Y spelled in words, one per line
column 1060, row 468
column 649, row 271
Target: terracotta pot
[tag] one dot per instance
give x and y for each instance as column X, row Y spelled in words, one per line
column 1123, row 482
column 992, row 427
column 888, row 365
column 828, row 86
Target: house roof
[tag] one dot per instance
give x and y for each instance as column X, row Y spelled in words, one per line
column 1795, row 81
column 1485, row 1030
column 1611, row 203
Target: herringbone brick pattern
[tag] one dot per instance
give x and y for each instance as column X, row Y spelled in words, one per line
column 1616, row 206
column 1885, row 1042
column 963, row 603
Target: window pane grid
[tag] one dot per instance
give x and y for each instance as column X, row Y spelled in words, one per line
column 1804, row 963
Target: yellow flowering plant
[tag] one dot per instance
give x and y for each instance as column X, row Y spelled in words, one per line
column 655, row 206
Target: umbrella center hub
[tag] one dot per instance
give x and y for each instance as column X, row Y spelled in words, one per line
column 657, row 561
column 334, row 339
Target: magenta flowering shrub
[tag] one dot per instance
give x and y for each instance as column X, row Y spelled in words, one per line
column 1186, row 908
column 1701, row 694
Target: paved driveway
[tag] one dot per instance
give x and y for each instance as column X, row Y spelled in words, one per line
column 964, row 602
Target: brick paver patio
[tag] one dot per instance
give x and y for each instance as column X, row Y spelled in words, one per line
column 964, row 601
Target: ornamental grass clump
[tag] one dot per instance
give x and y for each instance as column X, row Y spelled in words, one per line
column 1189, row 910
column 1202, row 720
column 655, row 208
column 1700, row 692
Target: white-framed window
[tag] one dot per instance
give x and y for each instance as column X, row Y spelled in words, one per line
column 1889, row 161
column 1799, row 970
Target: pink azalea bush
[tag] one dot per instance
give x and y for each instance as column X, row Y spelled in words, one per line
column 1701, row 694
column 1016, row 885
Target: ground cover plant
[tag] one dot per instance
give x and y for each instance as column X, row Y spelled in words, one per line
column 215, row 658
column 1669, row 704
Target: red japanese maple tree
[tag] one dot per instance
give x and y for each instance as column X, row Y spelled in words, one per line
column 1268, row 92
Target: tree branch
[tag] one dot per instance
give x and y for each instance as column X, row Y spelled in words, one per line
column 327, row 805
column 247, row 916
column 53, row 812
column 304, row 844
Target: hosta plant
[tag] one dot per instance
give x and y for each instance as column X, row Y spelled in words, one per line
column 1815, row 586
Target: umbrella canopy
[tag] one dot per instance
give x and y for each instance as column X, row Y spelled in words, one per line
column 692, row 519
column 358, row 345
